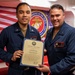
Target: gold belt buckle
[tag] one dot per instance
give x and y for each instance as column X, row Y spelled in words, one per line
column 26, row 68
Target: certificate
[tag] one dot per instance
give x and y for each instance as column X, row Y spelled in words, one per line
column 33, row 53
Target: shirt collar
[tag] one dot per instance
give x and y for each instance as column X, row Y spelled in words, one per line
column 17, row 28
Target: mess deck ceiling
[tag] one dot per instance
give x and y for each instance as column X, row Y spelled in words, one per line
column 13, row 3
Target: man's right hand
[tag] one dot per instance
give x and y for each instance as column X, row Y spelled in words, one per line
column 17, row 54
column 45, row 51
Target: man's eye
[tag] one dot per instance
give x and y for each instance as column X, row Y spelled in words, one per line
column 52, row 16
column 28, row 12
column 57, row 15
column 20, row 12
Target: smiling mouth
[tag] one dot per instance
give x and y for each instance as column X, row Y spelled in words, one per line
column 24, row 19
column 55, row 22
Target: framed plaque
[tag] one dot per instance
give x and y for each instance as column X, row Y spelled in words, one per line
column 33, row 53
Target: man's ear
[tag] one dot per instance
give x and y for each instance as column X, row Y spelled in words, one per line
column 64, row 15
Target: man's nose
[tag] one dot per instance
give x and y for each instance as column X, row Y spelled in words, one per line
column 55, row 18
column 24, row 14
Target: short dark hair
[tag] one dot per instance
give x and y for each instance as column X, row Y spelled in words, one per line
column 58, row 6
column 22, row 3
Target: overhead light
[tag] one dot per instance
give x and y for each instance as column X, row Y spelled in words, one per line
column 23, row 0
column 52, row 0
column 73, row 7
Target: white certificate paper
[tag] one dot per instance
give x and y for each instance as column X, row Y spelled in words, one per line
column 33, row 53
